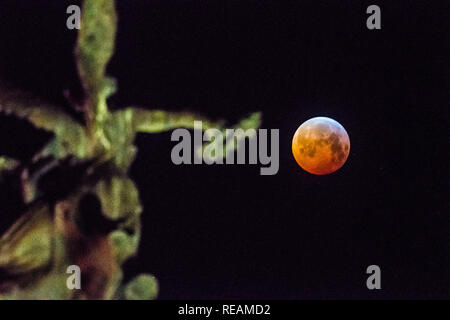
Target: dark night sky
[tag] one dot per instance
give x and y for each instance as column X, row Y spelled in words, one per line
column 225, row 231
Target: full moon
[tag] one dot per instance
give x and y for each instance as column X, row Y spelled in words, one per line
column 321, row 145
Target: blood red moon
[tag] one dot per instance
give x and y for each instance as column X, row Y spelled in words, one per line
column 321, row 145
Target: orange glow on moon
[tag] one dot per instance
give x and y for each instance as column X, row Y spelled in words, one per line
column 321, row 145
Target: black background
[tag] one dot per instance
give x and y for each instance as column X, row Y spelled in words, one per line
column 225, row 232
